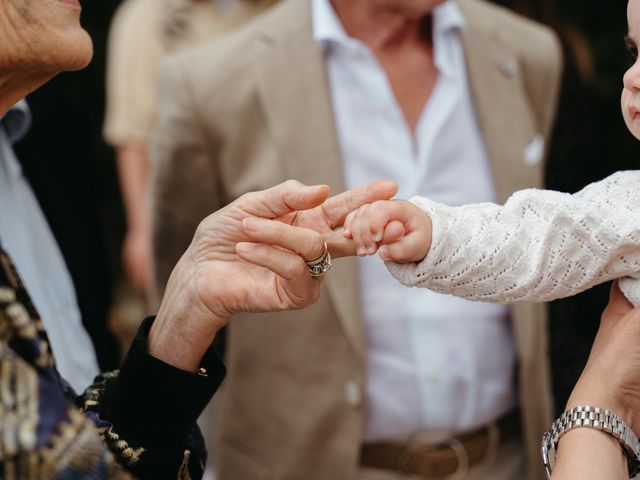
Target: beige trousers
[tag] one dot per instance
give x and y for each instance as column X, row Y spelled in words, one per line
column 508, row 464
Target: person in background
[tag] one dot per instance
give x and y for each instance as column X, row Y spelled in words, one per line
column 448, row 98
column 143, row 33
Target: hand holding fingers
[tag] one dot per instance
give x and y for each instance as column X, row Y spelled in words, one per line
column 393, row 232
column 296, row 287
column 403, row 250
column 363, row 229
column 339, row 245
column 305, row 242
column 283, row 199
column 336, row 209
column 367, row 225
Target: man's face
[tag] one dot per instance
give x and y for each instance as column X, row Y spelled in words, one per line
column 411, row 8
column 42, row 36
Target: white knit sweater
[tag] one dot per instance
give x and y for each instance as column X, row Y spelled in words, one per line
column 539, row 246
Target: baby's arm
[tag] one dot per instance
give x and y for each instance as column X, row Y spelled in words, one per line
column 541, row 245
column 397, row 229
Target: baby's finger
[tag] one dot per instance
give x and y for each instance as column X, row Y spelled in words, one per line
column 402, row 251
column 361, row 231
column 393, row 232
column 347, row 224
column 380, row 214
column 355, row 227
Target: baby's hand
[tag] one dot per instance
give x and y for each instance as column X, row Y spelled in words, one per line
column 398, row 230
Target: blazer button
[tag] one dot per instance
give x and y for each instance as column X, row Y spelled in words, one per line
column 353, row 394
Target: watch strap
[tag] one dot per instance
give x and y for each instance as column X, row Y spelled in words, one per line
column 596, row 418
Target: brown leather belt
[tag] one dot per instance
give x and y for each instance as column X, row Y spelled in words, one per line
column 438, row 460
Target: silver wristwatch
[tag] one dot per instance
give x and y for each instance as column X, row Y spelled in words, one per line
column 591, row 417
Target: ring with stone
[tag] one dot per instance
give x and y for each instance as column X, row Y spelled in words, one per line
column 320, row 265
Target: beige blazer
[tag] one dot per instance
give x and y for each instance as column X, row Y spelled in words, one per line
column 254, row 110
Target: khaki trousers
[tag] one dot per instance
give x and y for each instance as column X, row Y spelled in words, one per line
column 508, row 464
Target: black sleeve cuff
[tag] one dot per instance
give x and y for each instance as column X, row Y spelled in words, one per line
column 155, row 405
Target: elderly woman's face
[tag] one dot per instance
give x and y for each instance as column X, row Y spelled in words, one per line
column 42, row 35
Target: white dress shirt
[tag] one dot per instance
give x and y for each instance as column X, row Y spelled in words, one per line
column 434, row 362
column 26, row 237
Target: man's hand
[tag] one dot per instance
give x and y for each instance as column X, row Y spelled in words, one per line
column 241, row 260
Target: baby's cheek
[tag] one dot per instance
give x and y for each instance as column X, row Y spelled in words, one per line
column 625, row 103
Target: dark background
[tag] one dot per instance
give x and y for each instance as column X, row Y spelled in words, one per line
column 73, row 172
column 73, row 175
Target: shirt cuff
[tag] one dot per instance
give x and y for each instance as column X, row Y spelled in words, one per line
column 154, row 404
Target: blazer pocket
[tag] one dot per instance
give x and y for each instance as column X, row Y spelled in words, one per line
column 239, row 464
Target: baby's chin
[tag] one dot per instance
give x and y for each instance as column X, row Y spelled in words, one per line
column 634, row 127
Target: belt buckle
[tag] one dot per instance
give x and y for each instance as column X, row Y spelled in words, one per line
column 414, row 448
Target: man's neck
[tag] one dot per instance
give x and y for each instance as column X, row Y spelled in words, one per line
column 380, row 27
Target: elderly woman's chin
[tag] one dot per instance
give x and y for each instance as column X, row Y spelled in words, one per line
column 73, row 52
column 45, row 35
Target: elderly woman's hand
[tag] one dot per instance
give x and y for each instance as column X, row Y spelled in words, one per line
column 241, row 260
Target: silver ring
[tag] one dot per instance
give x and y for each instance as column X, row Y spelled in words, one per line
column 320, row 265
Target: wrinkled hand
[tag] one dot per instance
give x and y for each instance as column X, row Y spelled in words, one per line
column 241, row 260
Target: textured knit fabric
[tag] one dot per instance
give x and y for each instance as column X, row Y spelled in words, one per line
column 145, row 414
column 539, row 246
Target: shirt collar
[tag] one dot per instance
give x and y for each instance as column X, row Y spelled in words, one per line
column 326, row 24
column 17, row 121
column 327, row 27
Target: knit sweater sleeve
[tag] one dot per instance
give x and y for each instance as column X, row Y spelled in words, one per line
column 539, row 246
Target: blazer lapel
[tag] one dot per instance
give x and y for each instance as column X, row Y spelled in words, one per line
column 505, row 117
column 293, row 90
column 508, row 125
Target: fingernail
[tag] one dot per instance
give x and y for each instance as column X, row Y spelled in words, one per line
column 347, row 233
column 384, row 254
column 361, row 252
column 377, row 237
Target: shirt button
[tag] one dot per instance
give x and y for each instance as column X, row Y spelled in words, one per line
column 509, row 68
column 353, row 394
